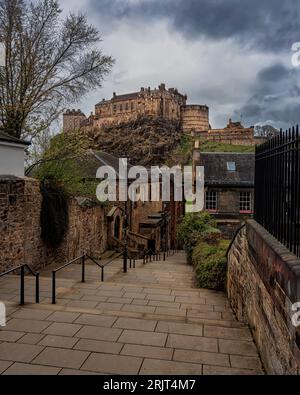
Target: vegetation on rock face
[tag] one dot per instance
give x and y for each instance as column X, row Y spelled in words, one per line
column 146, row 141
column 205, row 249
column 183, row 153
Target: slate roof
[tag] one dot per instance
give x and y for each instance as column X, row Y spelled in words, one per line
column 10, row 139
column 216, row 173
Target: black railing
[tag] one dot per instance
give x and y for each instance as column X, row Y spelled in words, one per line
column 277, row 188
column 151, row 255
column 82, row 260
column 22, row 281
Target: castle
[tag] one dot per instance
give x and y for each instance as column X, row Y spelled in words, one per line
column 159, row 102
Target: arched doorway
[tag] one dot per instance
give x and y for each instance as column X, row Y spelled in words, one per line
column 117, row 227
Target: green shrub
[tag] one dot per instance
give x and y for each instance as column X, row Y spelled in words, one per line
column 192, row 228
column 210, row 264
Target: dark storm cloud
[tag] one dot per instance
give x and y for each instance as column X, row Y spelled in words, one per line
column 266, row 24
column 275, row 96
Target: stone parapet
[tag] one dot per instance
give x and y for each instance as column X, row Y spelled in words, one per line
column 263, row 284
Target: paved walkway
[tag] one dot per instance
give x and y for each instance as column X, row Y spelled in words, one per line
column 151, row 321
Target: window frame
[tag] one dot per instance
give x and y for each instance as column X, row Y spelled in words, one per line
column 212, row 202
column 243, row 202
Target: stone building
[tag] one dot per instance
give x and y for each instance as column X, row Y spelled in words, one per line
column 158, row 102
column 73, row 120
column 229, row 187
column 151, row 224
column 234, row 133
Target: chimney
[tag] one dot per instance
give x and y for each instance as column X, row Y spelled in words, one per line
column 114, row 95
column 142, row 89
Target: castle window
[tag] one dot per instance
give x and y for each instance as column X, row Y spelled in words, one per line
column 211, row 200
column 245, row 203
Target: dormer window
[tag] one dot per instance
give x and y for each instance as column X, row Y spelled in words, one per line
column 231, row 166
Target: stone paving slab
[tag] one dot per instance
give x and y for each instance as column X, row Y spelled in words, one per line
column 133, row 323
column 61, row 358
column 99, row 333
column 179, row 328
column 115, row 364
column 143, row 338
column 192, row 343
column 22, row 369
column 62, row 328
column 155, row 367
column 58, row 341
column 202, row 357
column 98, row 346
column 19, row 352
column 147, row 351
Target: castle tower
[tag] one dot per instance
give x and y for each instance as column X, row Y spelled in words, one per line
column 195, row 118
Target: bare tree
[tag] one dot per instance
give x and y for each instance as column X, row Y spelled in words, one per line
column 49, row 62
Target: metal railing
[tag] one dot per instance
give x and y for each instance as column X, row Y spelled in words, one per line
column 277, row 188
column 22, row 281
column 151, row 255
column 82, row 259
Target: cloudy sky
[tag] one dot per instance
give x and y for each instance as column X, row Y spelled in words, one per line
column 233, row 55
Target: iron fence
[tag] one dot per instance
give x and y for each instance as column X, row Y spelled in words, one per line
column 277, row 188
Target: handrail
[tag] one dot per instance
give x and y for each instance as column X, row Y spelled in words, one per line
column 138, row 235
column 82, row 258
column 22, row 281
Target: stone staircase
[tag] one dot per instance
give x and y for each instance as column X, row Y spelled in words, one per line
column 152, row 320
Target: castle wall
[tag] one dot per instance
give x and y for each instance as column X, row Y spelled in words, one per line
column 123, row 108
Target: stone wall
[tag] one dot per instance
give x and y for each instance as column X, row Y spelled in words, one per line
column 263, row 283
column 20, row 241
column 159, row 102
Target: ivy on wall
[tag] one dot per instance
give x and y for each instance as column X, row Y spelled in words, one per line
column 54, row 218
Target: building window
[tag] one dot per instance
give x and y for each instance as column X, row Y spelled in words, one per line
column 211, row 201
column 121, row 107
column 245, row 202
column 115, row 108
column 127, row 107
column 231, row 166
column 132, row 106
